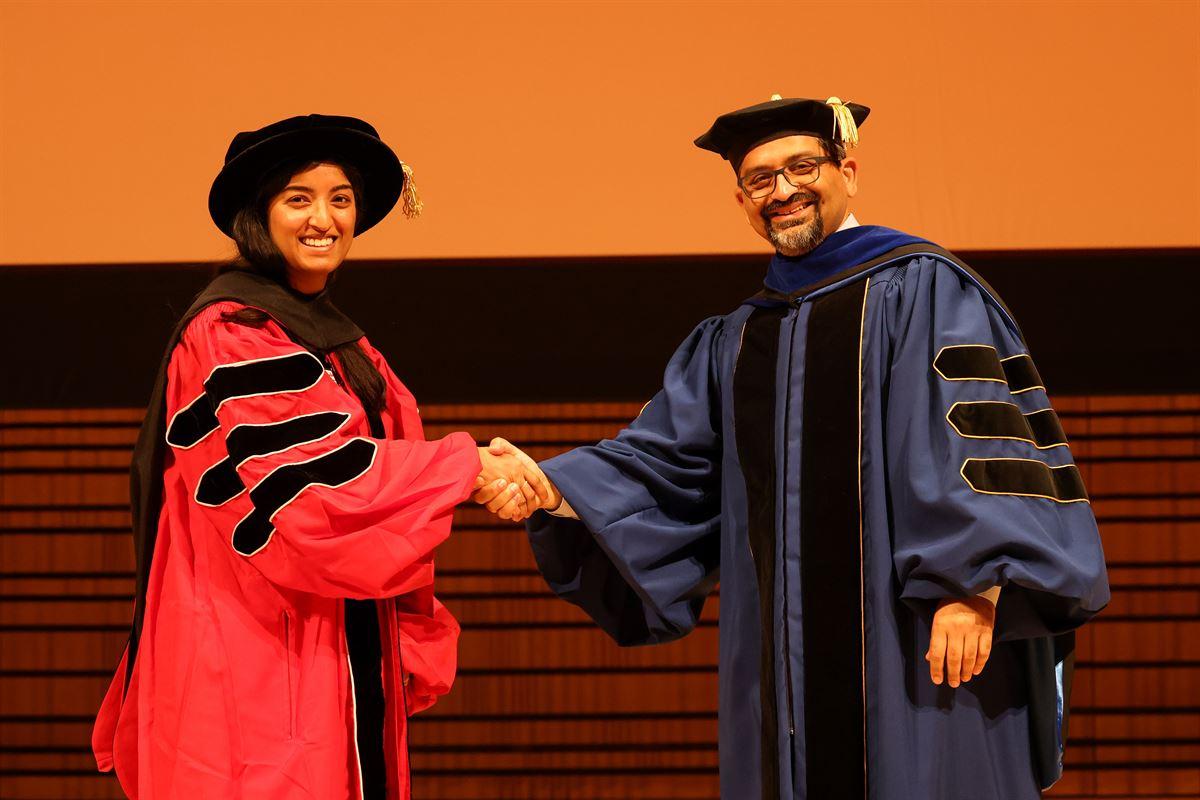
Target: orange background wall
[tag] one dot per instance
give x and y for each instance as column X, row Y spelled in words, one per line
column 535, row 128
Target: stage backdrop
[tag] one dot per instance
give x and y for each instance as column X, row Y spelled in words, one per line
column 565, row 129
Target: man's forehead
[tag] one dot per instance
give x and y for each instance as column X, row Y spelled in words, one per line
column 780, row 150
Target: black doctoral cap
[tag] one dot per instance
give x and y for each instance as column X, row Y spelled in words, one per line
column 253, row 154
column 738, row 132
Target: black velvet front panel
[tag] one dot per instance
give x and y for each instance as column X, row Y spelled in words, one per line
column 754, row 392
column 831, row 576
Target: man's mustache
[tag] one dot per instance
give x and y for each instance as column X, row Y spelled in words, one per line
column 775, row 205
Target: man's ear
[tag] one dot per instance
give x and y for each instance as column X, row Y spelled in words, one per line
column 849, row 170
column 740, row 197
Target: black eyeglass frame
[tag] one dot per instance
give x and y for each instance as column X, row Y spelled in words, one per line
column 775, row 173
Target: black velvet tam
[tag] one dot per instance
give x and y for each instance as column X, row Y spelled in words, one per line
column 738, row 132
column 253, row 154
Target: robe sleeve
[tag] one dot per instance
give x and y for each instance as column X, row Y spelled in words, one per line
column 428, row 647
column 643, row 555
column 982, row 484
column 329, row 511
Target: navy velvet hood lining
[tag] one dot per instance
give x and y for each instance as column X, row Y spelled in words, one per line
column 840, row 251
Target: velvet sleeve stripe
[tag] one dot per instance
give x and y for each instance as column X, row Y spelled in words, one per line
column 279, row 488
column 1023, row 477
column 251, row 441
column 981, row 362
column 1047, row 428
column 192, row 424
column 969, row 362
column 1021, row 373
column 999, row 420
column 293, row 372
column 220, row 483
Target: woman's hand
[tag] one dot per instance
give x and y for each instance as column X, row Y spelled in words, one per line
column 515, row 497
column 960, row 639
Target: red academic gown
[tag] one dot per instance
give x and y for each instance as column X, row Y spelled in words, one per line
column 278, row 506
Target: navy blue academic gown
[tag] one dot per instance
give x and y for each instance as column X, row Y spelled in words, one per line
column 841, row 457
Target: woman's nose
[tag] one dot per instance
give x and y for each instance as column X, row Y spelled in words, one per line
column 319, row 216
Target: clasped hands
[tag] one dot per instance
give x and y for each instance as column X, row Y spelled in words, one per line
column 511, row 485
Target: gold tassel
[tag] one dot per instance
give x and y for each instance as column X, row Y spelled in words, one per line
column 412, row 201
column 844, row 129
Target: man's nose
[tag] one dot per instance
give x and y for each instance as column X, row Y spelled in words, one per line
column 782, row 189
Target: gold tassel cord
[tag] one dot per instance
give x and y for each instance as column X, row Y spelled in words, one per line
column 412, row 204
column 844, row 128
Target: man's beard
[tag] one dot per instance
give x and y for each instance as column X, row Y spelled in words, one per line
column 795, row 238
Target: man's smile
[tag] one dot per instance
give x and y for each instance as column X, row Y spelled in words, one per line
column 790, row 210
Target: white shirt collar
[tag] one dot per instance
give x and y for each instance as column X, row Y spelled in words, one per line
column 849, row 222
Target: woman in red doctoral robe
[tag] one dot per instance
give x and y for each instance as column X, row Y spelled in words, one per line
column 286, row 508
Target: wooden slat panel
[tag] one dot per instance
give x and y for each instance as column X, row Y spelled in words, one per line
column 61, row 787
column 61, row 649
column 559, row 711
column 1136, row 782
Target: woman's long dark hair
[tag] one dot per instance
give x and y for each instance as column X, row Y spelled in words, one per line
column 258, row 253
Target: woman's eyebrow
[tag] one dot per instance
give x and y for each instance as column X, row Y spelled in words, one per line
column 295, row 187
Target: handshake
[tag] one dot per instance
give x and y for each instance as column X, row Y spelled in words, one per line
column 511, row 485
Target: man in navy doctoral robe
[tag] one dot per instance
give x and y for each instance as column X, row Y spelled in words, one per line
column 865, row 454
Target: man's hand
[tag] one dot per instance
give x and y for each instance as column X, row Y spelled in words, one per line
column 514, row 497
column 960, row 639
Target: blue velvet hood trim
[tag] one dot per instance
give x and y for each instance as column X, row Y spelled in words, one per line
column 840, row 250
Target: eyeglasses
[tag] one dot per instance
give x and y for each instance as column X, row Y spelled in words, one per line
column 799, row 173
